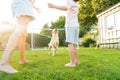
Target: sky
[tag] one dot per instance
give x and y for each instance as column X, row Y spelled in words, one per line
column 45, row 16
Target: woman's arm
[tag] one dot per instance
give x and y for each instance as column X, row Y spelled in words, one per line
column 37, row 9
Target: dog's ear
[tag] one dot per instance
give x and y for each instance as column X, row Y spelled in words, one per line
column 56, row 30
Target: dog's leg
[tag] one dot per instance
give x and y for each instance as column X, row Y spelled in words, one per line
column 49, row 49
column 56, row 48
column 53, row 51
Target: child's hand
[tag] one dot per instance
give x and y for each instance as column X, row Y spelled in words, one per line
column 37, row 9
column 50, row 5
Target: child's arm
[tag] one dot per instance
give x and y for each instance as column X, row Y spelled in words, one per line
column 37, row 9
column 64, row 8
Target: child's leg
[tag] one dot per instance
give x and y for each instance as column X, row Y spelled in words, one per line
column 71, row 51
column 76, row 59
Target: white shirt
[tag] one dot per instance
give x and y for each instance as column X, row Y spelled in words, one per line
column 72, row 14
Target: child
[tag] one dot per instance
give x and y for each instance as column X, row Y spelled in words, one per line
column 23, row 12
column 71, row 29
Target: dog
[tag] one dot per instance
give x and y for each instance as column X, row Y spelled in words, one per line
column 54, row 42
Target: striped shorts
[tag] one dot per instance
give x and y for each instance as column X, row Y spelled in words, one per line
column 22, row 8
column 72, row 35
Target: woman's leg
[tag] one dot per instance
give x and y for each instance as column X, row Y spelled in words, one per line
column 12, row 43
column 21, row 45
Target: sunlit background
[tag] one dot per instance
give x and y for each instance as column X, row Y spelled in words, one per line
column 45, row 16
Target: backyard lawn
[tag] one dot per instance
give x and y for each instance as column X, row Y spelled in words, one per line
column 96, row 64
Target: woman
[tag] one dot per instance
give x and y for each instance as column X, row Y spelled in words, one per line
column 23, row 12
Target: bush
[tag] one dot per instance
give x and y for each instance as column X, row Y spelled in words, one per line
column 27, row 46
column 39, row 40
column 88, row 40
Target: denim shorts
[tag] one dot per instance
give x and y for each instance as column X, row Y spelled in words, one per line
column 72, row 35
column 22, row 8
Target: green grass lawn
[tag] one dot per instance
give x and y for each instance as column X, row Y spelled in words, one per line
column 96, row 64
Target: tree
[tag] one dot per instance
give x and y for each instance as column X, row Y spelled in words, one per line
column 60, row 23
column 86, row 19
column 101, row 5
column 45, row 31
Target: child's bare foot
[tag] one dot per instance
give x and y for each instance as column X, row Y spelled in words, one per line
column 70, row 65
column 77, row 62
column 24, row 61
column 8, row 69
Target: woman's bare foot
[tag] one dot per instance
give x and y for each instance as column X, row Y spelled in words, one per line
column 8, row 69
column 24, row 61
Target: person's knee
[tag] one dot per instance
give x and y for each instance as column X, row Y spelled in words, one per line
column 19, row 32
column 23, row 20
column 69, row 43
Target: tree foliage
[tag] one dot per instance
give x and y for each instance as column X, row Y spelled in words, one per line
column 46, row 32
column 58, row 23
column 88, row 11
column 101, row 5
column 39, row 40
